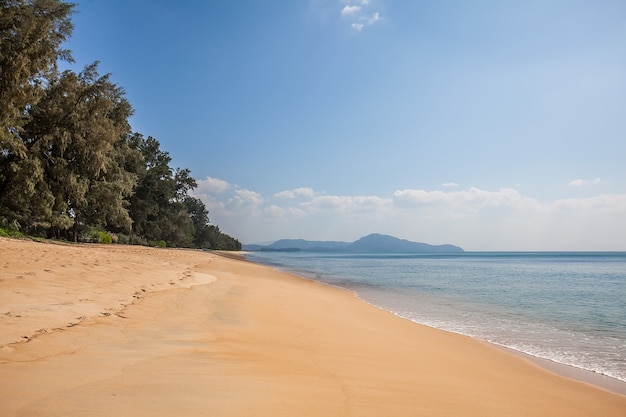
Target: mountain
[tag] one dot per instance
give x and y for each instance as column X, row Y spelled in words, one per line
column 374, row 243
column 383, row 243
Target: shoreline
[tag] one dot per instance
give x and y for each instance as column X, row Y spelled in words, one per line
column 598, row 380
column 585, row 376
column 168, row 332
column 572, row 372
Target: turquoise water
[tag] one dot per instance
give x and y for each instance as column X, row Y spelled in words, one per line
column 566, row 307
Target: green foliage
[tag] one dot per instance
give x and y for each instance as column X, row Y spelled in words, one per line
column 123, row 239
column 6, row 231
column 104, row 237
column 70, row 168
column 92, row 235
column 31, row 34
column 72, row 134
column 157, row 243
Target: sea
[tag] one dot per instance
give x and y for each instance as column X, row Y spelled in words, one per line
column 565, row 307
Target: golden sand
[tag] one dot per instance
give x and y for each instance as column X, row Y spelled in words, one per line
column 133, row 331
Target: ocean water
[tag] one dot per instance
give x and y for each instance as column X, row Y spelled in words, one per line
column 567, row 307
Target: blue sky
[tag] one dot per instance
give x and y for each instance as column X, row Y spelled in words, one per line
column 490, row 124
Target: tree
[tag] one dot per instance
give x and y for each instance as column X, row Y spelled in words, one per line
column 200, row 218
column 155, row 188
column 222, row 241
column 31, row 33
column 68, row 160
column 108, row 194
column 157, row 207
column 69, row 144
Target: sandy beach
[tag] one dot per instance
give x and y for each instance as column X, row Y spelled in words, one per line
column 112, row 330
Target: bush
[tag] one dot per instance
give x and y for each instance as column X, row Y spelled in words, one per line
column 157, row 243
column 104, row 237
column 10, row 230
column 96, row 236
column 133, row 239
column 123, row 239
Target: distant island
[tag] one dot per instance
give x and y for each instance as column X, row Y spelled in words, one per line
column 373, row 243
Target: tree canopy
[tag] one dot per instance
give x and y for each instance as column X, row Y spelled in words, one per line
column 70, row 166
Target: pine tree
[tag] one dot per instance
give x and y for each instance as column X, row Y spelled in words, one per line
column 31, row 34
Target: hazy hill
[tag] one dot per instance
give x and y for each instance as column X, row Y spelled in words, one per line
column 374, row 243
column 383, row 243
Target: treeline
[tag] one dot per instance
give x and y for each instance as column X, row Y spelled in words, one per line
column 70, row 166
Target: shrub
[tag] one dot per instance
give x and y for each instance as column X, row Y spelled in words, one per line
column 104, row 237
column 96, row 236
column 10, row 230
column 7, row 232
column 137, row 240
column 157, row 243
column 123, row 239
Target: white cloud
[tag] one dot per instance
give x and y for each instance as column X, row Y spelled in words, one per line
column 580, row 182
column 613, row 203
column 450, row 184
column 212, row 185
column 225, row 200
column 284, row 213
column 350, row 10
column 475, row 219
column 347, row 204
column 470, row 200
column 295, row 193
column 245, row 198
column 358, row 13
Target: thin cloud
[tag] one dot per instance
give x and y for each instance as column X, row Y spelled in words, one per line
column 375, row 18
column 464, row 203
column 580, row 182
column 347, row 204
column 356, row 11
column 449, row 184
column 295, row 193
column 350, row 10
column 284, row 213
column 614, row 203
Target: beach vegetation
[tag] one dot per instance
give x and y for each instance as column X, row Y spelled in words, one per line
column 71, row 168
column 92, row 235
column 104, row 237
column 8, row 231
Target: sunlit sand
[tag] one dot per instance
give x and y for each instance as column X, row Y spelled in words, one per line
column 134, row 331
